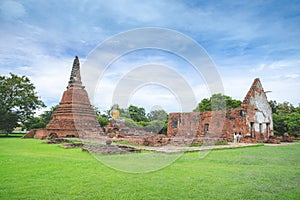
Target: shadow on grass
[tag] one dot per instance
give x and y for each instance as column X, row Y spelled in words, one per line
column 16, row 135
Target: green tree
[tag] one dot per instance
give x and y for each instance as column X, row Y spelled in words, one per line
column 217, row 102
column 292, row 122
column 164, row 129
column 34, row 122
column 18, row 101
column 137, row 113
column 38, row 125
column 155, row 126
column 285, row 108
column 204, row 105
column 41, row 121
column 130, row 123
column 159, row 121
column 135, row 117
column 298, row 109
column 279, row 124
column 273, row 104
column 124, row 113
column 160, row 115
column 286, row 118
column 103, row 120
column 47, row 115
column 8, row 121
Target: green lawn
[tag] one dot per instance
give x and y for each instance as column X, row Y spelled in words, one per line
column 33, row 170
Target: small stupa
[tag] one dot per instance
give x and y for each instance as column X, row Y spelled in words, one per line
column 74, row 116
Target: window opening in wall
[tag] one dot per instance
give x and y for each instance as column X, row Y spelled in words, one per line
column 206, row 127
column 242, row 113
column 260, row 131
column 268, row 130
column 252, row 129
column 174, row 122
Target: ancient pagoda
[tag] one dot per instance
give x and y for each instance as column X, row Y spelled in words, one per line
column 74, row 116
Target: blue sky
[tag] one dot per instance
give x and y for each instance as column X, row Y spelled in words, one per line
column 245, row 40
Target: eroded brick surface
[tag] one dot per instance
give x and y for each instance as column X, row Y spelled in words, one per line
column 74, row 115
column 253, row 120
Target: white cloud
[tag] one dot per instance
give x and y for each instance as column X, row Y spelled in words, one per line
column 131, row 73
column 292, row 76
column 43, row 42
column 281, row 77
column 257, row 69
column 12, row 10
column 153, row 95
column 284, row 64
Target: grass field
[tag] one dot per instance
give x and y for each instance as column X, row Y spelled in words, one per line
column 33, row 170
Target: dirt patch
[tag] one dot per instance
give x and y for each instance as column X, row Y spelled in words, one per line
column 57, row 141
column 73, row 145
column 110, row 149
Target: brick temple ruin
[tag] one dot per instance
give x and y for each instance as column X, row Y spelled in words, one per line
column 253, row 120
column 74, row 116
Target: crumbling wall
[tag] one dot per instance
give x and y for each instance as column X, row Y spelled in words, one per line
column 259, row 113
column 212, row 124
column 253, row 120
column 183, row 124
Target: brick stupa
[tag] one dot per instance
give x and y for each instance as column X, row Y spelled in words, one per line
column 74, row 116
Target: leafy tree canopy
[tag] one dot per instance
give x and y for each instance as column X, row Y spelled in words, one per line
column 217, row 102
column 47, row 115
column 160, row 115
column 41, row 121
column 18, row 101
column 137, row 113
column 156, row 121
column 286, row 118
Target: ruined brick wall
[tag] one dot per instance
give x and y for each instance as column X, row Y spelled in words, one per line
column 235, row 122
column 259, row 113
column 183, row 124
column 253, row 120
column 214, row 124
column 41, row 133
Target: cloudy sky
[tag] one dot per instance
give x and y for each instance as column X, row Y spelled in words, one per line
column 246, row 40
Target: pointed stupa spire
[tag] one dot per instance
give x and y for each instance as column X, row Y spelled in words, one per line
column 75, row 78
column 74, row 115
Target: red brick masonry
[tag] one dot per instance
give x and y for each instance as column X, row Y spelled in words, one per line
column 74, row 115
column 253, row 120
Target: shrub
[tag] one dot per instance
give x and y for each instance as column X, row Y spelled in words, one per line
column 154, row 126
column 196, row 144
column 221, row 143
column 130, row 123
column 102, row 120
column 38, row 125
